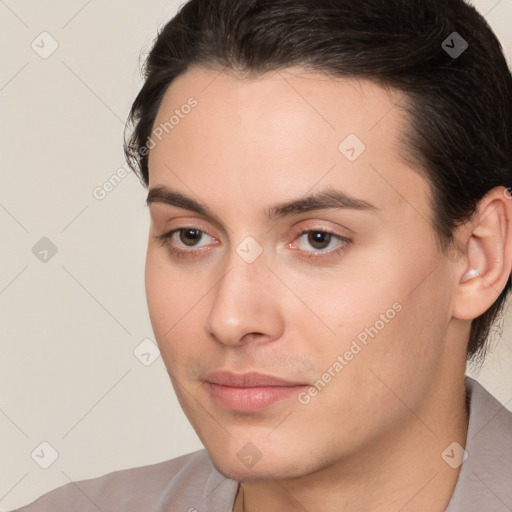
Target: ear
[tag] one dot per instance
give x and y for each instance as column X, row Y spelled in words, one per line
column 484, row 270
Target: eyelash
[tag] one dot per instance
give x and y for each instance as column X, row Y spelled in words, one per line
column 166, row 238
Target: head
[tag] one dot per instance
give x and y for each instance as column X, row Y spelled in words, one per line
column 336, row 208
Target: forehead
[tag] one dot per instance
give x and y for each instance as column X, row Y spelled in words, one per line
column 285, row 132
column 333, row 103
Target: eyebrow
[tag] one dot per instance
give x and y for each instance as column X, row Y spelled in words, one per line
column 324, row 200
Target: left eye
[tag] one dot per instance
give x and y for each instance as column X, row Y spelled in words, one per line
column 321, row 240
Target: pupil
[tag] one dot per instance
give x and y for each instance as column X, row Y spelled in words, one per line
column 191, row 235
column 321, row 238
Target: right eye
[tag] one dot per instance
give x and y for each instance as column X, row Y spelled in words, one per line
column 176, row 239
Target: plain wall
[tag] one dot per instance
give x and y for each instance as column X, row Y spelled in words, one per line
column 70, row 324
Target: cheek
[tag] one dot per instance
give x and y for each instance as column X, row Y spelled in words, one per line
column 391, row 315
column 174, row 301
column 346, row 304
column 158, row 282
column 404, row 352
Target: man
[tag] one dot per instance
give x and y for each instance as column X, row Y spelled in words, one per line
column 331, row 240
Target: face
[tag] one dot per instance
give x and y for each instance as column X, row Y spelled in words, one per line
column 344, row 295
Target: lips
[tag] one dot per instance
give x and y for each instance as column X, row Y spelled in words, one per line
column 249, row 392
column 248, row 380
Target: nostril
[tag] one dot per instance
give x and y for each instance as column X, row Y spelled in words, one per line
column 249, row 336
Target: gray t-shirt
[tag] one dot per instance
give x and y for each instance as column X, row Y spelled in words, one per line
column 191, row 483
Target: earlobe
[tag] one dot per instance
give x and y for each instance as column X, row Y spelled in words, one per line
column 488, row 259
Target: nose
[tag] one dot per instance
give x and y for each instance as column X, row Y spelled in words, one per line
column 245, row 304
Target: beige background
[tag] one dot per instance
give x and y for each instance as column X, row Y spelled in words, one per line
column 70, row 325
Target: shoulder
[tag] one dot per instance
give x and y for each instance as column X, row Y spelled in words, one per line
column 485, row 475
column 181, row 482
column 489, row 419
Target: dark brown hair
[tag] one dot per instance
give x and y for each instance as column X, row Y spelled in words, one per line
column 459, row 105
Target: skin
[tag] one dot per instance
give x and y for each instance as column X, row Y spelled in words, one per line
column 372, row 439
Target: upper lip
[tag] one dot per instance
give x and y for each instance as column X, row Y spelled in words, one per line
column 247, row 380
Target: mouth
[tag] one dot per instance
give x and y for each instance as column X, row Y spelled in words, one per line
column 250, row 392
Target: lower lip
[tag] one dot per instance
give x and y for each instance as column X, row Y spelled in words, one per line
column 251, row 399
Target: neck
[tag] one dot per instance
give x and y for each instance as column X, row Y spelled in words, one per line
column 401, row 470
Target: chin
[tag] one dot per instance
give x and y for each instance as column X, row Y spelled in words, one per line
column 278, row 467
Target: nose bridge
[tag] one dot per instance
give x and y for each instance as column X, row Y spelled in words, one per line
column 243, row 302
